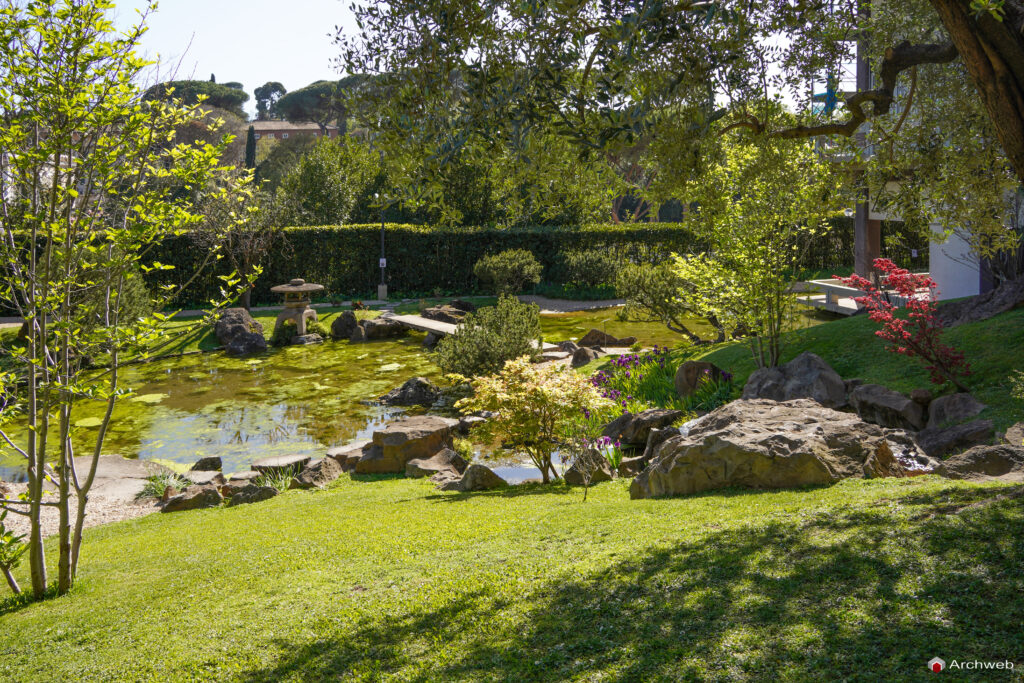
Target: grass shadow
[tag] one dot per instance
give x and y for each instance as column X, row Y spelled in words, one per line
column 853, row 592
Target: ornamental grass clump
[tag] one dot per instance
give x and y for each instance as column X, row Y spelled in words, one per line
column 535, row 408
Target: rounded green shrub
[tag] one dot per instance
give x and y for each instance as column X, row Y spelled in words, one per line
column 489, row 337
column 509, row 271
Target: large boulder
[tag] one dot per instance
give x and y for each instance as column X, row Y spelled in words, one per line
column 204, row 478
column 691, row 373
column 939, row 441
column 317, row 475
column 211, row 463
column 599, row 338
column 1005, row 297
column 382, row 328
column 444, row 314
column 806, row 376
column 239, row 333
column 411, row 438
column 344, row 325
column 885, row 407
column 601, row 471
column 984, row 462
column 477, row 477
column 418, row 391
column 946, row 410
column 194, row 498
column 633, row 430
column 446, row 460
column 252, row 494
column 348, row 455
column 762, row 443
column 583, row 355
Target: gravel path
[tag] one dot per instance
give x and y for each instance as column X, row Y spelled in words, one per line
column 568, row 305
column 100, row 510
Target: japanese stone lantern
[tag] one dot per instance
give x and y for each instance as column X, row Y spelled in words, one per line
column 296, row 304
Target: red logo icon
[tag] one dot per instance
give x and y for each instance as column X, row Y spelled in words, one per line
column 936, row 665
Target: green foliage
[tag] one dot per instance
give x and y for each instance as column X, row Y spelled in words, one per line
column 277, row 479
column 710, row 393
column 282, row 335
column 120, row 177
column 250, row 148
column 508, row 272
column 318, row 102
column 317, row 327
column 322, row 188
column 591, row 268
column 205, row 92
column 156, row 484
column 267, row 96
column 652, row 293
column 636, row 382
column 534, row 406
column 1017, row 382
column 283, row 157
column 464, row 448
column 489, row 337
column 754, row 209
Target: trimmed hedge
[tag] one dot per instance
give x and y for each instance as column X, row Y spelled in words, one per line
column 425, row 259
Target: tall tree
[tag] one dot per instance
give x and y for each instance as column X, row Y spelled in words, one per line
column 250, row 148
column 85, row 192
column 452, row 81
column 267, row 96
column 193, row 92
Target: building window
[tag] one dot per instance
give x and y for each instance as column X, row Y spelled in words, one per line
column 284, row 136
column 270, row 135
column 257, row 136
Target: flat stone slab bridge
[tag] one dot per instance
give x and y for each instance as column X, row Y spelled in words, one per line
column 418, row 322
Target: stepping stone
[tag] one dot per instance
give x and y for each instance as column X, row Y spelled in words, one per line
column 281, row 463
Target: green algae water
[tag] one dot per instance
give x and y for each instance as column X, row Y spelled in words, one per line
column 299, row 399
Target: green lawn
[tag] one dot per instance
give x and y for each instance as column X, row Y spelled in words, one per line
column 994, row 348
column 387, row 579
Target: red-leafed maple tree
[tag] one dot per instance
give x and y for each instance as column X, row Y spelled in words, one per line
column 919, row 334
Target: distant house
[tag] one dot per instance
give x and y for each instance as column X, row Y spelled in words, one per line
column 282, row 130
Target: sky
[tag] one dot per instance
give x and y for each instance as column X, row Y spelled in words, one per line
column 249, row 41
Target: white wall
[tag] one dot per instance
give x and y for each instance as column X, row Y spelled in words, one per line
column 953, row 267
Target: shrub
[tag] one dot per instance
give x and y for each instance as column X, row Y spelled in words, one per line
column 535, row 407
column 317, row 327
column 282, row 335
column 508, row 272
column 489, row 337
column 920, row 334
column 652, row 295
column 1018, row 384
column 591, row 268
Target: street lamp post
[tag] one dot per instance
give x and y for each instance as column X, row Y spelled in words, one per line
column 382, row 288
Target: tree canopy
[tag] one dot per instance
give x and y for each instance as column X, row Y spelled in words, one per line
column 191, row 92
column 458, row 80
column 267, row 96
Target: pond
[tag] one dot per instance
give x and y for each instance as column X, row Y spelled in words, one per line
column 300, row 399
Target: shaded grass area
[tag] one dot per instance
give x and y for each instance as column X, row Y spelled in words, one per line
column 389, row 580
column 994, row 348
